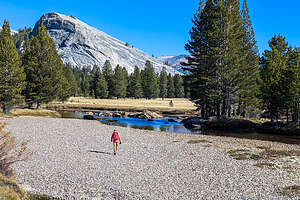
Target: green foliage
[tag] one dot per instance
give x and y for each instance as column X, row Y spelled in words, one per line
column 171, row 89
column 119, row 80
column 163, row 83
column 223, row 53
column 135, row 84
column 94, row 76
column 178, row 86
column 12, row 76
column 69, row 84
column 149, row 81
column 108, row 75
column 85, row 80
column 21, row 39
column 279, row 78
column 43, row 68
column 101, row 87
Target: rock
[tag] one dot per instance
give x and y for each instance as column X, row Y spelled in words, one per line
column 116, row 115
column 80, row 45
column 172, row 120
column 193, row 123
column 89, row 117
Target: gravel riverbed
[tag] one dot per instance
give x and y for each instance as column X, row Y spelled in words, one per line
column 73, row 159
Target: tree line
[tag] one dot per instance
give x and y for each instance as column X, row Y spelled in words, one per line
column 107, row 82
column 32, row 72
column 226, row 74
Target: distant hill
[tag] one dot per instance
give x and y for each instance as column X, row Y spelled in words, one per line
column 174, row 61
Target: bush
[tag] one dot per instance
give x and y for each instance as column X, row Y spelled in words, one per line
column 10, row 152
column 10, row 190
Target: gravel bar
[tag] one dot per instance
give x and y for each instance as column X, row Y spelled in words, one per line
column 73, row 159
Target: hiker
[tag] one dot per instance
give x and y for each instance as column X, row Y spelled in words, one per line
column 115, row 139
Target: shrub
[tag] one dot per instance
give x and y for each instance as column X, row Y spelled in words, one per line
column 10, row 152
column 10, row 190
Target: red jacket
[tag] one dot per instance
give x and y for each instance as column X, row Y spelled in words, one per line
column 115, row 136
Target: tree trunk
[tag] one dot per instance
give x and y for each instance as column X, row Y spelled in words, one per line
column 287, row 116
column 223, row 108
column 218, row 111
column 229, row 110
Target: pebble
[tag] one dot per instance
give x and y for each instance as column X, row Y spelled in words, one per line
column 73, row 159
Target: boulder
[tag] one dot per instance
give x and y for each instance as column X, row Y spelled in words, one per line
column 193, row 123
column 89, row 117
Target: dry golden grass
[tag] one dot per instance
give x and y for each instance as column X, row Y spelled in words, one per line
column 35, row 112
column 180, row 104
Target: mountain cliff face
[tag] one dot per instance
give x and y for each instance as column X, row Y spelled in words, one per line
column 81, row 45
column 174, row 61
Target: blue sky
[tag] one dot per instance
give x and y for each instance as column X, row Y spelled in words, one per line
column 159, row 27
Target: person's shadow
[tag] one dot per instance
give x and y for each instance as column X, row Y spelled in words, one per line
column 101, row 152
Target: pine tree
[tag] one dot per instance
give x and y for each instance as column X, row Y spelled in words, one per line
column 119, row 86
column 85, row 81
column 95, row 73
column 150, row 86
column 178, row 86
column 101, row 87
column 135, row 84
column 125, row 81
column 12, row 76
column 69, row 84
column 201, row 63
column 108, row 75
column 248, row 87
column 171, row 89
column 43, row 68
column 163, row 83
column 273, row 81
column 21, row 39
column 222, row 54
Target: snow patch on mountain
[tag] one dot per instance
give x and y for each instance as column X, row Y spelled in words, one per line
column 81, row 45
column 174, row 61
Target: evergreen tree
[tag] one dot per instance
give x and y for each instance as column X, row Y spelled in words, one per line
column 108, row 75
column 178, row 86
column 12, row 76
column 171, row 89
column 119, row 82
column 150, row 86
column 201, row 63
column 43, row 67
column 222, row 54
column 85, row 81
column 21, row 39
column 95, row 73
column 248, row 87
column 273, row 81
column 69, row 84
column 125, row 80
column 101, row 87
column 135, row 84
column 163, row 83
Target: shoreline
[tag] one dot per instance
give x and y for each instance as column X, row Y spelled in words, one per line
column 149, row 165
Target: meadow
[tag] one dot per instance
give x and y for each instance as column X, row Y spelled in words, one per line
column 179, row 104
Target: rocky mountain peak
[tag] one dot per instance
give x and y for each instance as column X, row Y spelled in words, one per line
column 81, row 45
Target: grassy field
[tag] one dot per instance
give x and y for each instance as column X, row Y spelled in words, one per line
column 35, row 112
column 179, row 104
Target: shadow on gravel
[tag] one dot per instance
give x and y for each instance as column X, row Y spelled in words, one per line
column 102, row 152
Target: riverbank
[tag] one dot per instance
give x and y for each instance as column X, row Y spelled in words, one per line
column 73, row 159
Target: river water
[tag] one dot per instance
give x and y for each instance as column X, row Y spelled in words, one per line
column 167, row 124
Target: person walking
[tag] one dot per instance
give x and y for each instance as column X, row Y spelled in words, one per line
column 115, row 139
